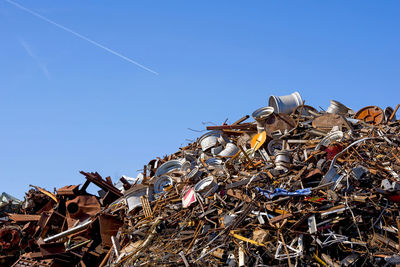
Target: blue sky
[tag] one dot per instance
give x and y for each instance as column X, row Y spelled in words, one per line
column 67, row 105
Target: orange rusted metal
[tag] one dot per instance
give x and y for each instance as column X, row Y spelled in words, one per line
column 371, row 114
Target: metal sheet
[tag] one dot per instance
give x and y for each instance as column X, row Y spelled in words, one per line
column 109, row 226
column 24, row 217
column 327, row 121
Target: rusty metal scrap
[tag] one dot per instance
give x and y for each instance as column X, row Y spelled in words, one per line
column 303, row 188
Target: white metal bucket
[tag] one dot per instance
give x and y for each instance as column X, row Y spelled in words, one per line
column 337, row 108
column 285, row 104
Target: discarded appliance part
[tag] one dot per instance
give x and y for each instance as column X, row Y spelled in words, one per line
column 285, row 104
column 265, row 156
column 351, row 260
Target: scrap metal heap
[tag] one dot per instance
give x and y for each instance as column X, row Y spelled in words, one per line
column 295, row 187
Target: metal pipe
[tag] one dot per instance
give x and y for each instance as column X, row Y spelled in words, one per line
column 68, row 232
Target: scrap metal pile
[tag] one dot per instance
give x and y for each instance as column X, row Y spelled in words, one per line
column 295, row 187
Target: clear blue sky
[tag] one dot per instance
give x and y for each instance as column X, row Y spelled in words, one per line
column 67, row 105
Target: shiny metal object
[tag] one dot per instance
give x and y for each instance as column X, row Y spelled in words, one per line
column 230, row 150
column 337, row 108
column 274, row 145
column 262, row 113
column 285, row 104
column 333, row 136
column 209, row 139
column 133, row 195
column 206, row 187
column 216, row 150
column 170, row 166
column 70, row 231
column 208, row 142
column 282, row 159
column 162, row 182
column 194, row 174
column 214, row 162
column 260, row 127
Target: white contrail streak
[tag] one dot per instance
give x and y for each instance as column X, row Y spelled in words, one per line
column 81, row 36
column 41, row 65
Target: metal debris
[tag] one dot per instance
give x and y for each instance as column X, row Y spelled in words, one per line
column 295, row 187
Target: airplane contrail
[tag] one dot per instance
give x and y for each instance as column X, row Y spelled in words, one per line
column 80, row 36
column 41, row 65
